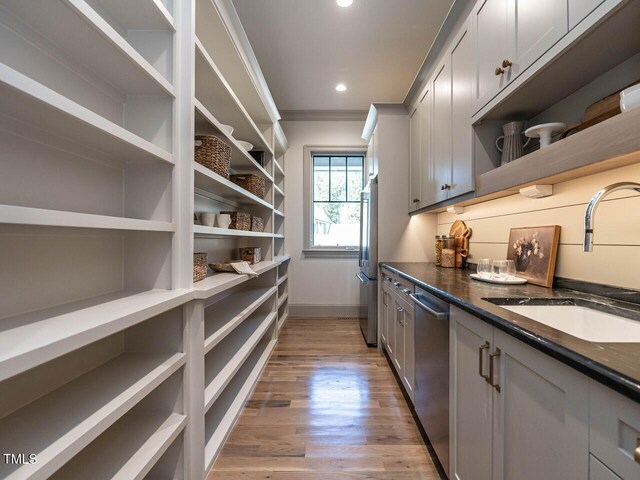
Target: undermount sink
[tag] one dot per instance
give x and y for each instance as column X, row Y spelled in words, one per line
column 579, row 320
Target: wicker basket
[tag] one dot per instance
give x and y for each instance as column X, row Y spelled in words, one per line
column 252, row 183
column 239, row 220
column 214, row 154
column 199, row 267
column 252, row 255
column 257, row 224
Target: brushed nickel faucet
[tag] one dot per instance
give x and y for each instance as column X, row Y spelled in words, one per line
column 594, row 202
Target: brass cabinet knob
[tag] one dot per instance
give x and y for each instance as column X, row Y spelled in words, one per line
column 506, row 63
column 446, row 186
column 416, row 200
column 636, row 454
column 499, row 71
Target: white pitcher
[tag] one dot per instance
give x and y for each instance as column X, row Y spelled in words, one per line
column 512, row 146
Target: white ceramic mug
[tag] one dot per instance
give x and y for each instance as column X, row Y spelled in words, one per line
column 207, row 219
column 223, row 220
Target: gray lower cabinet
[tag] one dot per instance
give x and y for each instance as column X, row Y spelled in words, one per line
column 516, row 413
column 397, row 329
column 598, row 471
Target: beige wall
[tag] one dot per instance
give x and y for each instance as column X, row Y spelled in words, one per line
column 327, row 282
column 615, row 259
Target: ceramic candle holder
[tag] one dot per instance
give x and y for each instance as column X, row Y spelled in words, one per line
column 207, row 219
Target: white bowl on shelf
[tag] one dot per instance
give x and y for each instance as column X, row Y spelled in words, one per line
column 227, row 128
column 245, row 145
column 545, row 132
column 630, row 98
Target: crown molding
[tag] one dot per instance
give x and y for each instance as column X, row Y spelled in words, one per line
column 323, row 115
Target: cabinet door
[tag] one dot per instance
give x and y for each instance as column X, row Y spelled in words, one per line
column 398, row 354
column 427, row 182
column 370, row 166
column 471, row 399
column 490, row 36
column 462, row 174
column 541, row 415
column 414, row 161
column 408, row 377
column 384, row 320
column 597, row 471
column 534, row 27
column 579, row 9
column 441, row 131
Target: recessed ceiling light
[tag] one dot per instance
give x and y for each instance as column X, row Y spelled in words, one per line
column 341, row 87
column 344, row 3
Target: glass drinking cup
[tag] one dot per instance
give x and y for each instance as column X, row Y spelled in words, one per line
column 484, row 267
column 508, row 268
column 500, row 270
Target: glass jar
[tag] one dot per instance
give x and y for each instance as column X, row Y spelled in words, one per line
column 438, row 250
column 448, row 242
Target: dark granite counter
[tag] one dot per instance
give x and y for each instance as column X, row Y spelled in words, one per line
column 616, row 365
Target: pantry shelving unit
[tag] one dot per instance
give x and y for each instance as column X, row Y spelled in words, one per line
column 111, row 359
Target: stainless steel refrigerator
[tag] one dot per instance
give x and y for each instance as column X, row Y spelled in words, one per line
column 368, row 260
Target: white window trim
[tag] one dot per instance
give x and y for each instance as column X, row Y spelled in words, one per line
column 310, row 251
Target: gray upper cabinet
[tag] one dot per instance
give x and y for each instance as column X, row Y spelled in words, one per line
column 489, row 27
column 462, row 172
column 427, row 183
column 534, row 27
column 441, row 134
column 579, row 9
column 510, row 35
column 415, row 175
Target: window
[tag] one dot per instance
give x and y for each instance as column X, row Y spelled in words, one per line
column 334, row 180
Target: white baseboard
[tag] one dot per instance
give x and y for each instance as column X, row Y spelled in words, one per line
column 323, row 311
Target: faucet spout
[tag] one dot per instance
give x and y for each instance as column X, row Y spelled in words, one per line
column 594, row 202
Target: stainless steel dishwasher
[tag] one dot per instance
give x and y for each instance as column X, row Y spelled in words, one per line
column 432, row 370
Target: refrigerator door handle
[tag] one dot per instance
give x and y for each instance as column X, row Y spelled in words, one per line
column 361, row 229
column 362, row 277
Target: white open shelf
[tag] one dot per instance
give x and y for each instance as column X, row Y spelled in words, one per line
column 215, row 93
column 278, row 235
column 32, row 103
column 82, row 34
column 228, row 232
column 282, row 299
column 233, row 398
column 211, row 182
column 219, row 282
column 217, row 37
column 279, row 169
column 59, row 425
column 278, row 190
column 31, row 339
column 140, row 15
column 283, row 279
column 242, row 350
column 127, row 450
column 278, row 213
column 13, row 215
column 225, row 315
column 207, row 124
column 281, row 258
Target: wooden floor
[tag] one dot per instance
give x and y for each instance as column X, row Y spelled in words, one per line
column 326, row 408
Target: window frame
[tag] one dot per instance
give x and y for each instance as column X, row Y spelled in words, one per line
column 309, row 249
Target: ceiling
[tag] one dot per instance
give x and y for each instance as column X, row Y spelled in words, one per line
column 306, row 47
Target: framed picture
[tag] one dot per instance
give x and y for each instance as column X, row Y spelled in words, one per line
column 534, row 251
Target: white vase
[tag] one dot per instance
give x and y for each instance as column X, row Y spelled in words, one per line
column 223, row 220
column 207, row 219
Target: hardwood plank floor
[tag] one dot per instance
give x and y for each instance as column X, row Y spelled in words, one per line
column 326, row 408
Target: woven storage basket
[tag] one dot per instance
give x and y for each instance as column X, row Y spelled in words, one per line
column 252, row 183
column 257, row 224
column 214, row 154
column 199, row 266
column 239, row 220
column 252, row 255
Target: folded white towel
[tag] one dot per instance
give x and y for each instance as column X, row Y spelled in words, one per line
column 244, row 268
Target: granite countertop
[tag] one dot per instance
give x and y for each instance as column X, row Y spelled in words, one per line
column 616, row 365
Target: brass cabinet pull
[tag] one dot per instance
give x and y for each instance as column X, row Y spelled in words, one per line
column 492, row 356
column 636, row 454
column 506, row 63
column 397, row 284
column 482, row 347
column 499, row 71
